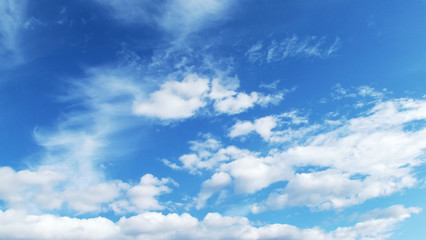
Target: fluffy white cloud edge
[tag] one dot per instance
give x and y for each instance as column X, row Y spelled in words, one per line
column 14, row 224
column 368, row 156
column 43, row 190
column 176, row 100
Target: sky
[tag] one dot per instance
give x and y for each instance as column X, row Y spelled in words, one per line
column 212, row 119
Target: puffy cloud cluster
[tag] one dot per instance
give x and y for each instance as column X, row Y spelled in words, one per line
column 143, row 196
column 77, row 146
column 265, row 126
column 367, row 156
column 175, row 99
column 376, row 224
column 182, row 99
column 48, row 190
column 18, row 188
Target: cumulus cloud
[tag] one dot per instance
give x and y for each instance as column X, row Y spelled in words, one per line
column 182, row 99
column 20, row 188
column 367, row 156
column 207, row 154
column 228, row 101
column 248, row 170
column 74, row 150
column 175, row 99
column 76, row 147
column 262, row 126
column 19, row 225
column 292, row 47
column 47, row 190
column 377, row 224
column 54, row 187
column 211, row 186
column 266, row 127
column 143, row 196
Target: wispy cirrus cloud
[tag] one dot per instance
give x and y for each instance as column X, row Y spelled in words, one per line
column 74, row 150
column 12, row 19
column 177, row 17
column 292, row 47
column 106, row 102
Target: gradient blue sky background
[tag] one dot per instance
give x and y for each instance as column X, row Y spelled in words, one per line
column 214, row 119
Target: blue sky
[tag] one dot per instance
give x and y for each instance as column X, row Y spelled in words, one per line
column 214, row 119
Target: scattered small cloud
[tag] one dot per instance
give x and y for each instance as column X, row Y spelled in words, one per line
column 345, row 168
column 270, row 86
column 292, row 47
column 267, row 127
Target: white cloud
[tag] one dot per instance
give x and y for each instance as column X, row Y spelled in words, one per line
column 78, row 145
column 92, row 198
column 252, row 173
column 211, row 186
column 75, row 149
column 175, row 100
column 20, row 189
column 367, row 92
column 270, row 86
column 228, row 101
column 236, row 104
column 241, row 128
column 262, row 126
column 376, row 224
column 249, row 172
column 144, row 195
column 292, row 47
column 152, row 225
column 293, row 117
column 18, row 225
column 254, row 53
column 334, row 47
column 265, row 126
column 178, row 17
column 12, row 15
column 46, row 190
column 368, row 156
column 207, row 155
column 189, row 16
column 182, row 99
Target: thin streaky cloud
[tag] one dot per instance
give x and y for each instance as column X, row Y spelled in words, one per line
column 292, row 47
